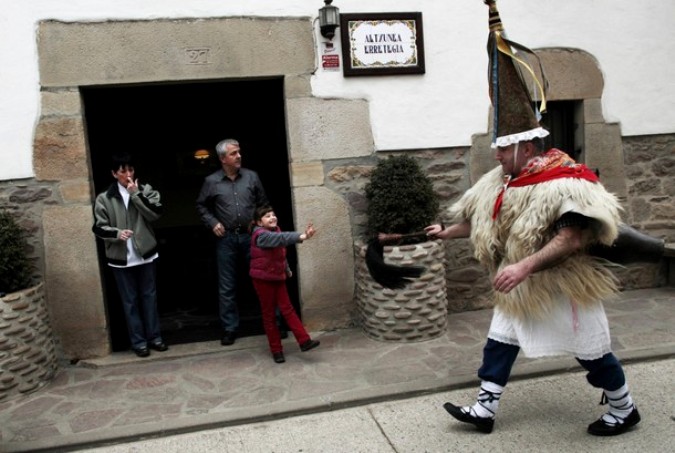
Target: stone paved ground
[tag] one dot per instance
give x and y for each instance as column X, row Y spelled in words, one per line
column 202, row 385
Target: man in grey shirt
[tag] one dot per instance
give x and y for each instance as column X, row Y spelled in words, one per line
column 226, row 204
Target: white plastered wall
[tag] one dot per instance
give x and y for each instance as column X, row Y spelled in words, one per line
column 441, row 108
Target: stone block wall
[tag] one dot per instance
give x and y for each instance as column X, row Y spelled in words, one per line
column 650, row 165
column 650, row 207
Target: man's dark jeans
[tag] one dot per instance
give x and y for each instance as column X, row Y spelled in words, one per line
column 233, row 252
column 138, row 292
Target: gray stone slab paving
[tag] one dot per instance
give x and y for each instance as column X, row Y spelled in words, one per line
column 204, row 385
column 542, row 414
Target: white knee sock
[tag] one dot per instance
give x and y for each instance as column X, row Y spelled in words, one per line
column 620, row 405
column 487, row 401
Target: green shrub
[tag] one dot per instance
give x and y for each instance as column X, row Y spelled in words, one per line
column 401, row 198
column 15, row 268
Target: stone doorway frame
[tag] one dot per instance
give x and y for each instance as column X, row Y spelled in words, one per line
column 126, row 52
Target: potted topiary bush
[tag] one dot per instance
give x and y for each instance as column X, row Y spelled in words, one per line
column 401, row 199
column 400, row 273
column 28, row 360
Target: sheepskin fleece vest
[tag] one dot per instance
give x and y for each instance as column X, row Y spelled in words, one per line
column 525, row 225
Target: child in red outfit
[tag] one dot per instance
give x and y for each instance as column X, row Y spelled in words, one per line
column 269, row 270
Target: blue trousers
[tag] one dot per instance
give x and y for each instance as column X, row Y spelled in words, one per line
column 498, row 358
column 233, row 254
column 137, row 287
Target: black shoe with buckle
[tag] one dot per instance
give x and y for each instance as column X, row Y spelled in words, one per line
column 158, row 346
column 601, row 427
column 278, row 357
column 483, row 424
column 228, row 338
column 309, row 344
column 142, row 351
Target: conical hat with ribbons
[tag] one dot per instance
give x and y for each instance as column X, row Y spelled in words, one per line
column 516, row 116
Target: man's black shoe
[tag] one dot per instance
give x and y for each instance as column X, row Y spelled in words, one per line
column 484, row 425
column 309, row 344
column 228, row 338
column 159, row 346
column 278, row 357
column 601, row 428
column 141, row 352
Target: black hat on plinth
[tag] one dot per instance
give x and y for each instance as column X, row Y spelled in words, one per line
column 516, row 117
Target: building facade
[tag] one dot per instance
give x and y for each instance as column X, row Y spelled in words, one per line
column 314, row 134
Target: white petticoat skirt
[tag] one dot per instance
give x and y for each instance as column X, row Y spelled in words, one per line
column 568, row 329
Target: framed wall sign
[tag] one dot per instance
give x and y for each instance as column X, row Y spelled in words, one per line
column 382, row 43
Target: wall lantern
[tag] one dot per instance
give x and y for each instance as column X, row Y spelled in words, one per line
column 329, row 19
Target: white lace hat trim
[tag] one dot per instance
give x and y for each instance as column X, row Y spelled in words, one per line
column 524, row 136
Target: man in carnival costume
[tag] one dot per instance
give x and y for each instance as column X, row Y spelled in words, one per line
column 531, row 221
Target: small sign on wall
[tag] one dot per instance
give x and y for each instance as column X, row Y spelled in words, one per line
column 382, row 43
column 330, row 60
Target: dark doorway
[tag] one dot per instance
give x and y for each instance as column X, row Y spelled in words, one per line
column 162, row 125
column 559, row 121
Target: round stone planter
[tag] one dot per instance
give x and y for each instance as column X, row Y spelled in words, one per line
column 27, row 350
column 417, row 312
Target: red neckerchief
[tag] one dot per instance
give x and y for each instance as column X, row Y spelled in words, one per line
column 553, row 164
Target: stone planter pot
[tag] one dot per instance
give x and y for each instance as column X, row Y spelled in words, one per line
column 27, row 349
column 417, row 312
